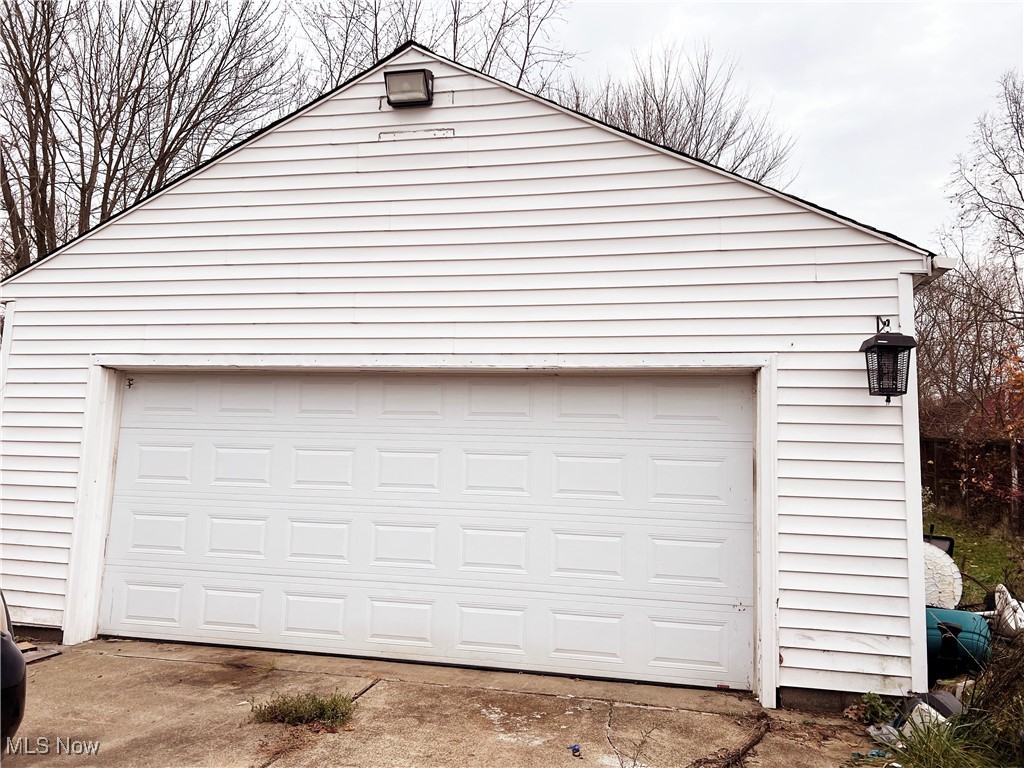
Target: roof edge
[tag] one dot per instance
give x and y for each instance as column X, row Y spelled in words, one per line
column 807, row 204
column 412, row 44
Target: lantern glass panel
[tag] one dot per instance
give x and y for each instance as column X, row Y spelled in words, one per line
column 888, row 362
column 888, row 370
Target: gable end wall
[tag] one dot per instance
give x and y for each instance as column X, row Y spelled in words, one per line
column 519, row 229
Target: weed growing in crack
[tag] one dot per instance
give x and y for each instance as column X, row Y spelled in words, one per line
column 304, row 709
column 634, row 756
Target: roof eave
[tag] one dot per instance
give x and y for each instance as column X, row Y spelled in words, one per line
column 937, row 267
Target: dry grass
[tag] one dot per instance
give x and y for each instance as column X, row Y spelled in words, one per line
column 957, row 744
column 304, row 709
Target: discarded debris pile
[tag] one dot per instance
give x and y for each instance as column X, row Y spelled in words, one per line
column 973, row 714
column 930, row 730
column 959, row 641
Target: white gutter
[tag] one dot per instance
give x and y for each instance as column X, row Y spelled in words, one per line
column 937, row 267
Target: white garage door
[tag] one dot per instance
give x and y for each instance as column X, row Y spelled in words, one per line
column 587, row 525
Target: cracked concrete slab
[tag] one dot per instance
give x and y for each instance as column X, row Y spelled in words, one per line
column 164, row 704
column 152, row 711
column 695, row 699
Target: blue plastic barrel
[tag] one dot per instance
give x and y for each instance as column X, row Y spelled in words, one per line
column 958, row 642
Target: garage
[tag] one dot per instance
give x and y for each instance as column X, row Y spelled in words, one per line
column 585, row 524
column 479, row 382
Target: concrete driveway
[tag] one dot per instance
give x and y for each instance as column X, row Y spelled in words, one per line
column 161, row 704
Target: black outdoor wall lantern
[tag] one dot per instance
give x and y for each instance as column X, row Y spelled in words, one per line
column 888, row 359
column 409, row 87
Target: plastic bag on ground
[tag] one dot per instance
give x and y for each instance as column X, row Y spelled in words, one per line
column 1008, row 620
column 885, row 735
column 922, row 716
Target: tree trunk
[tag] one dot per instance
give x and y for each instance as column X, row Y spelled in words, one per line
column 1013, row 524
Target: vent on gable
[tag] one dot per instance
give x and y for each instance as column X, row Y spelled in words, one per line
column 431, row 133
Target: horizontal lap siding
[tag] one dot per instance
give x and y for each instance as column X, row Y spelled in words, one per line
column 531, row 232
column 41, row 433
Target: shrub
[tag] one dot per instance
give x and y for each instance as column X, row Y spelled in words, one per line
column 875, row 710
column 303, row 709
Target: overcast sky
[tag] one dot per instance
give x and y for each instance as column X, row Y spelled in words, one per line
column 880, row 96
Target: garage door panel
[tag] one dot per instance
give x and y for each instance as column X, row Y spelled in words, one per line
column 562, row 554
column 719, row 406
column 522, row 473
column 589, row 525
column 666, row 641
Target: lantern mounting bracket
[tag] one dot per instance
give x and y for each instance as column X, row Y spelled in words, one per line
column 883, row 326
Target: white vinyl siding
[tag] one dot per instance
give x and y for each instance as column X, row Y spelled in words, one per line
column 533, row 232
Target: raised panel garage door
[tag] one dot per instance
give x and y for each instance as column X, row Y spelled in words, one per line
column 592, row 525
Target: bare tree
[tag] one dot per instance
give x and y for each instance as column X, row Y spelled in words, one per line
column 507, row 39
column 988, row 238
column 29, row 140
column 965, row 354
column 988, row 189
column 971, row 322
column 971, row 391
column 103, row 103
column 691, row 102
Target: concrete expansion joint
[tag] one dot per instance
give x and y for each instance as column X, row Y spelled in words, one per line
column 661, row 707
column 365, row 689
